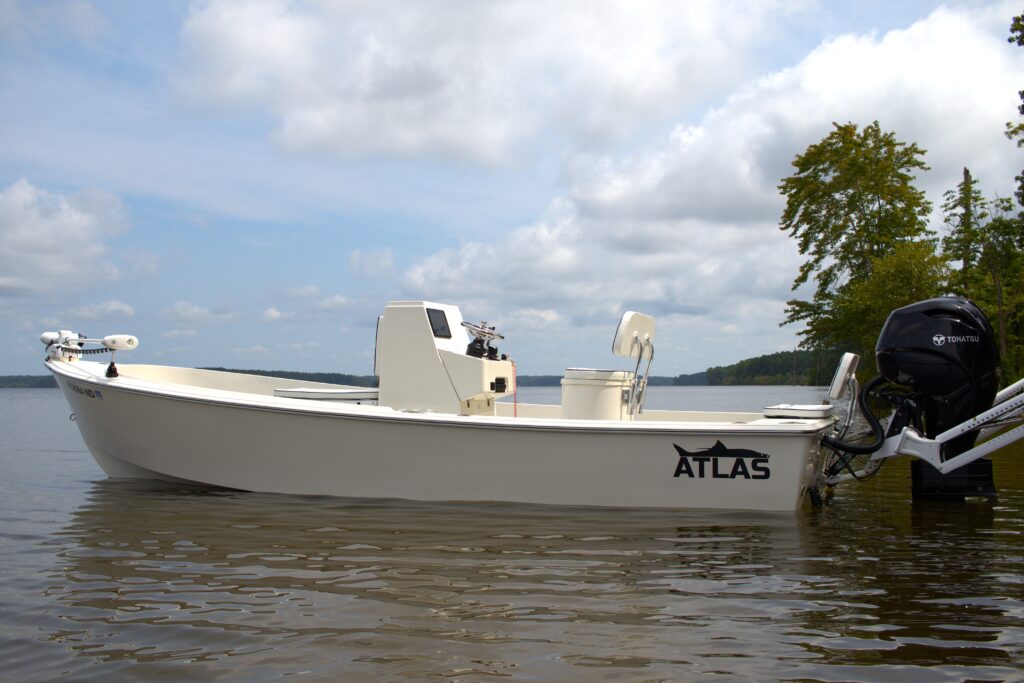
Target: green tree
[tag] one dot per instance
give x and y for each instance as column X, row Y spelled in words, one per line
column 1015, row 131
column 1000, row 289
column 988, row 240
column 909, row 272
column 850, row 203
column 964, row 211
column 783, row 367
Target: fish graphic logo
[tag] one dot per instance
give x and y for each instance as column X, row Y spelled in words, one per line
column 721, row 462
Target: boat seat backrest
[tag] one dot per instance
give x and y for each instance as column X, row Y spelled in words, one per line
column 634, row 333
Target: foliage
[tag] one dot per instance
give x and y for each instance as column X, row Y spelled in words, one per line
column 697, row 379
column 1015, row 131
column 850, row 202
column 27, row 382
column 1002, row 261
column 910, row 272
column 556, row 381
column 996, row 284
column 785, row 367
column 538, row 380
column 988, row 241
column 964, row 211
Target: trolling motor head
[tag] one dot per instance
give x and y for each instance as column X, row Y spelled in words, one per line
column 943, row 349
column 69, row 346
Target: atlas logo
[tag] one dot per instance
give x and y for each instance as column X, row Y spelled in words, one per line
column 721, row 462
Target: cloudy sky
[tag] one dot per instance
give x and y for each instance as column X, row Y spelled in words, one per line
column 246, row 183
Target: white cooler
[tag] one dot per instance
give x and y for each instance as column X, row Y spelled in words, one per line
column 595, row 394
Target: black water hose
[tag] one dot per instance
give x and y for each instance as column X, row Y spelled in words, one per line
column 876, row 427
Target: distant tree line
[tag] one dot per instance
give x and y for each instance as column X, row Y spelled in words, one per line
column 321, row 377
column 812, row 368
column 28, row 382
column 697, row 379
column 786, row 367
column 539, row 380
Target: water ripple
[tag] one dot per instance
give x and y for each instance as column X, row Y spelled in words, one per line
column 125, row 581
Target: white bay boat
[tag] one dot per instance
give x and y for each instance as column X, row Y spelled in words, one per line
column 435, row 429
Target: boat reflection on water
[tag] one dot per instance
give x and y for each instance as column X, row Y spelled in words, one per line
column 194, row 583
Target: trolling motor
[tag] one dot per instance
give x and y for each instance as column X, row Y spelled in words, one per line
column 66, row 345
column 939, row 368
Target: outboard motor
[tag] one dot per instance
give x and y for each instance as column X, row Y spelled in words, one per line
column 944, row 351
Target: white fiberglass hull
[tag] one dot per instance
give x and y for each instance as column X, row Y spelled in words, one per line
column 138, row 428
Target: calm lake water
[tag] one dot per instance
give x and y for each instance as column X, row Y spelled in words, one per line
column 104, row 580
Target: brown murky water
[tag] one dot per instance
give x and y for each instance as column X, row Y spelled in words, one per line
column 124, row 581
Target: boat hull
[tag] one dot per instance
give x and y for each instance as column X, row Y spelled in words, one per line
column 285, row 447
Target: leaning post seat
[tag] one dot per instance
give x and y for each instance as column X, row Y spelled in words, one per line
column 613, row 394
column 634, row 338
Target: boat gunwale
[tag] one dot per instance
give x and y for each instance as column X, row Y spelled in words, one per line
column 298, row 406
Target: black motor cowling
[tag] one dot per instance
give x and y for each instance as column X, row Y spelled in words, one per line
column 945, row 351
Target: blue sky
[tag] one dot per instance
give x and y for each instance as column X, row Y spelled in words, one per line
column 246, row 184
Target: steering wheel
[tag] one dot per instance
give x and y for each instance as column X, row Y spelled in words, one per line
column 483, row 331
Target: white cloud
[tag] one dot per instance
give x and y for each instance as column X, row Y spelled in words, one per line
column 108, row 309
column 141, row 262
column 185, row 310
column 308, row 306
column 274, row 315
column 298, row 345
column 25, row 21
column 188, row 312
column 255, row 349
column 601, row 111
column 689, row 229
column 949, row 71
column 533, row 318
column 49, row 241
column 371, row 262
column 178, row 333
column 579, row 269
column 304, row 292
column 466, row 80
column 334, row 302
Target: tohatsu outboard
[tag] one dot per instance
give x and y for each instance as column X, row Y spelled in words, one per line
column 944, row 350
column 939, row 369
